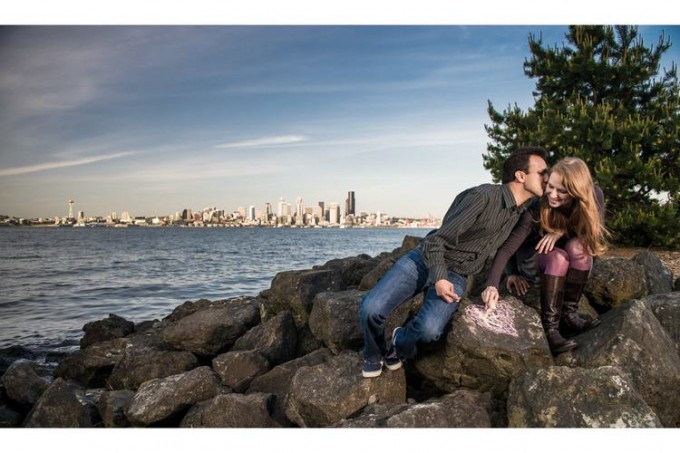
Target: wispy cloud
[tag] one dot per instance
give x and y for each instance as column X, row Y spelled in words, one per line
column 53, row 165
column 265, row 141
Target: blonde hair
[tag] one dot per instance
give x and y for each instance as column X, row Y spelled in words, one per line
column 584, row 216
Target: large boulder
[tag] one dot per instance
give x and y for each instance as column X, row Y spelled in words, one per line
column 23, row 383
column 666, row 308
column 295, row 291
column 232, row 411
column 658, row 277
column 324, row 394
column 461, row 409
column 278, row 381
column 213, row 328
column 634, row 340
column 65, row 405
column 335, row 320
column 485, row 352
column 11, row 354
column 141, row 364
column 352, row 269
column 160, row 400
column 237, row 369
column 112, row 406
column 275, row 339
column 562, row 397
column 614, row 281
column 106, row 329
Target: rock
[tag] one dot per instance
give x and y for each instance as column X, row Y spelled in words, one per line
column 614, row 281
column 324, row 394
column 295, row 291
column 373, row 416
column 666, row 308
column 158, row 400
column 351, row 269
column 64, row 405
column 658, row 277
column 112, row 406
column 9, row 418
column 461, row 409
column 213, row 328
column 561, row 397
column 307, row 342
column 335, row 320
column 23, row 384
column 12, row 353
column 138, row 365
column 278, row 381
column 476, row 358
column 237, row 369
column 633, row 339
column 92, row 366
column 676, row 285
column 232, row 411
column 106, row 329
column 276, row 339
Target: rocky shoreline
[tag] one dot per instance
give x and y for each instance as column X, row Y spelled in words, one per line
column 290, row 357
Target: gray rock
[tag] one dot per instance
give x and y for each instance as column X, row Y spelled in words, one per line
column 276, row 339
column 335, row 320
column 278, row 381
column 666, row 308
column 614, row 281
column 633, row 339
column 138, row 365
column 63, row 405
column 106, row 329
column 561, row 397
column 232, row 411
column 324, row 394
column 373, row 416
column 212, row 329
column 23, row 384
column 160, row 399
column 658, row 277
column 476, row 358
column 295, row 290
column 9, row 418
column 112, row 406
column 461, row 409
column 237, row 369
column 351, row 269
column 12, row 353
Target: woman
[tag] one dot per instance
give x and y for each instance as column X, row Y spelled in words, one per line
column 572, row 232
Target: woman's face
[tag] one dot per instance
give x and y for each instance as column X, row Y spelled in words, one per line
column 556, row 193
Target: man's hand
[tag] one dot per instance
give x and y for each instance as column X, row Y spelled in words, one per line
column 521, row 286
column 490, row 298
column 445, row 290
column 547, row 242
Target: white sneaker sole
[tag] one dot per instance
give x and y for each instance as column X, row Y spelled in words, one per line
column 371, row 374
column 393, row 367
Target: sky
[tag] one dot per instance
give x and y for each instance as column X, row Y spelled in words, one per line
column 153, row 119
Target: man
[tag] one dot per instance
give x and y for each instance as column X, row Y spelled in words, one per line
column 477, row 223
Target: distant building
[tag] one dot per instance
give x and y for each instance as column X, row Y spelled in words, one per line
column 350, row 204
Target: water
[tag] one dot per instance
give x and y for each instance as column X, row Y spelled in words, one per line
column 55, row 280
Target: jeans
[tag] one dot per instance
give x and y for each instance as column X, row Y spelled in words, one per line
column 404, row 280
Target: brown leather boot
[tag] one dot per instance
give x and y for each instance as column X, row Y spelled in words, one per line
column 576, row 281
column 552, row 296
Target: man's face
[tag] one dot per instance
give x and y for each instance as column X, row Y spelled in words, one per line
column 537, row 176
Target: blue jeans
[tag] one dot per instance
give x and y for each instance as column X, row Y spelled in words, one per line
column 404, row 280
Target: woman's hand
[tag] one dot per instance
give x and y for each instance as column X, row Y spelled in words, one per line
column 521, row 286
column 490, row 298
column 547, row 242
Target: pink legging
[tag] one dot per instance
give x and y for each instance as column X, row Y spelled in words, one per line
column 558, row 261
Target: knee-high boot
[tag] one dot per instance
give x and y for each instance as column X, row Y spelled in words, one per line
column 576, row 281
column 552, row 296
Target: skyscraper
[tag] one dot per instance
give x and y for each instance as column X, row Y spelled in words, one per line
column 350, row 205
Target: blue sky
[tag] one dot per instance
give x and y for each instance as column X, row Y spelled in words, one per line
column 154, row 119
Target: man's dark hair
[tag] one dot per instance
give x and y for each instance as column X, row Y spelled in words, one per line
column 519, row 161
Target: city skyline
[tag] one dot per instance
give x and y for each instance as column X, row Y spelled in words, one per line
column 147, row 118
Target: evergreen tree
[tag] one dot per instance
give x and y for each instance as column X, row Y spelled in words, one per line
column 600, row 97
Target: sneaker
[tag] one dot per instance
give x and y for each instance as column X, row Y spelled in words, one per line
column 392, row 360
column 371, row 368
